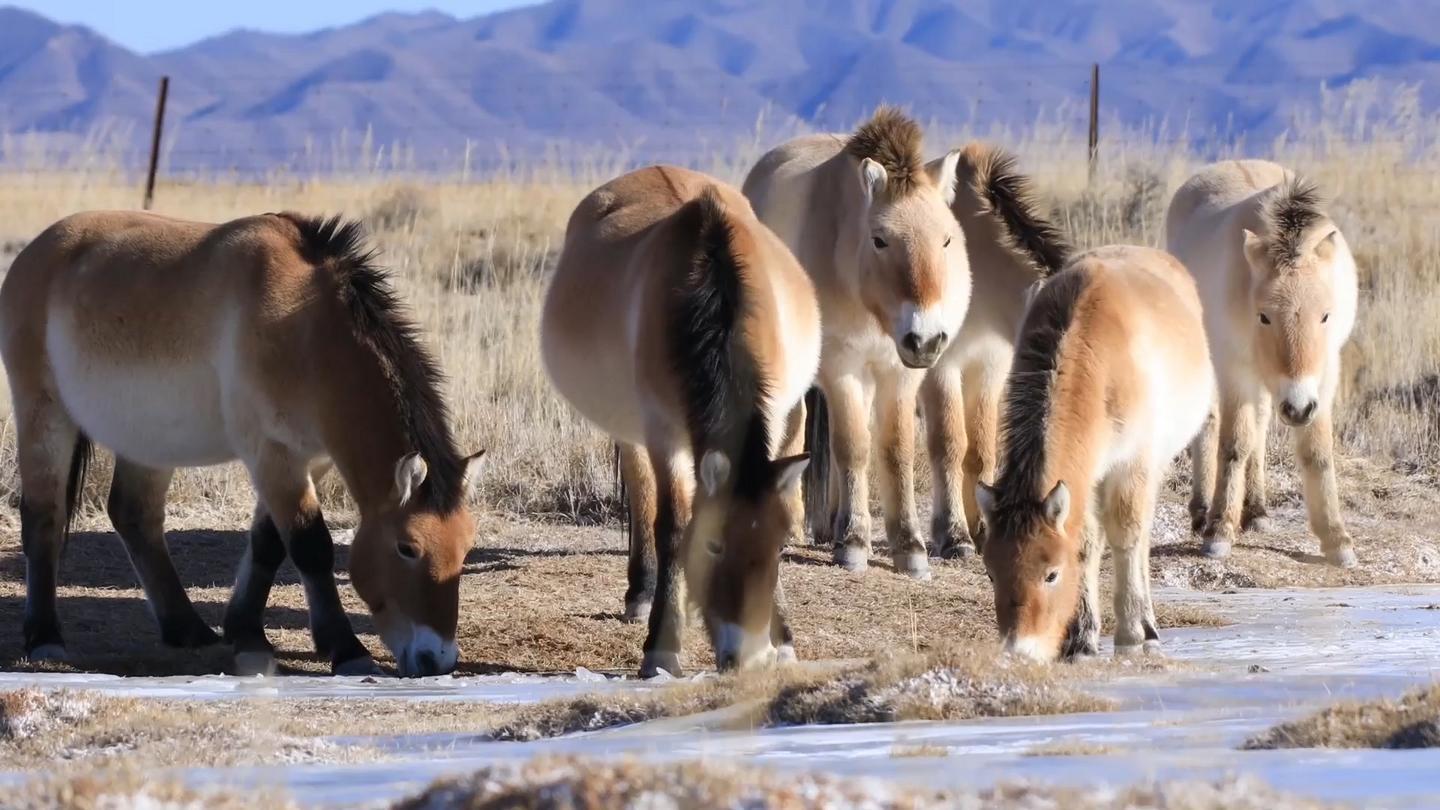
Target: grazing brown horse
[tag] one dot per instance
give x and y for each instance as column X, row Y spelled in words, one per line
column 684, row 328
column 872, row 227
column 1012, row 248
column 1111, row 380
column 273, row 340
column 1280, row 291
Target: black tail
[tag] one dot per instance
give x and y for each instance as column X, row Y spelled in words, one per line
column 724, row 393
column 75, row 482
column 817, row 475
column 1007, row 196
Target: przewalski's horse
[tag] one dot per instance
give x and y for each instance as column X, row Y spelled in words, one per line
column 273, row 340
column 1111, row 380
column 873, row 229
column 1012, row 247
column 683, row 327
column 1279, row 287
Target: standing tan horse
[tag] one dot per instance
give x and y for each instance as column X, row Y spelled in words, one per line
column 1280, row 292
column 873, row 229
column 1111, row 380
column 1012, row 248
column 273, row 340
column 683, row 327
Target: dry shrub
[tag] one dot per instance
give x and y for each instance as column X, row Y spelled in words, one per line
column 1412, row 721
column 575, row 784
column 132, row 789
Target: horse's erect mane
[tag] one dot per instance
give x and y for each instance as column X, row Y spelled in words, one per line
column 381, row 325
column 726, row 394
column 1030, row 393
column 1008, row 196
column 1289, row 213
column 892, row 139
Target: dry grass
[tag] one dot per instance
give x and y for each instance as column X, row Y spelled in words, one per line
column 570, row 784
column 39, row 728
column 128, row 788
column 1412, row 721
column 1064, row 748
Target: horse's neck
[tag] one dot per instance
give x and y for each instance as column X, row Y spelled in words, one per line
column 1077, row 440
column 364, row 435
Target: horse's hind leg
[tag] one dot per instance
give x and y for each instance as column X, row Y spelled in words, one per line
column 640, row 486
column 1204, row 450
column 288, row 495
column 137, row 510
column 50, row 450
column 245, row 615
column 984, row 387
column 793, row 445
column 672, row 513
column 1129, row 509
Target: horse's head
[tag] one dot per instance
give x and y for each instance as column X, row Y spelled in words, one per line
column 1034, row 566
column 406, row 563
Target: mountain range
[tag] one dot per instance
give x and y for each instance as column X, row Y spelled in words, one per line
column 668, row 79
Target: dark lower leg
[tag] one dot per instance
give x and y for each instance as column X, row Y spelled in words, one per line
column 313, row 551
column 245, row 615
column 662, row 643
column 41, row 534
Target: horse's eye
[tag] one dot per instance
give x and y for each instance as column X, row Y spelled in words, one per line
column 878, row 242
column 408, row 550
column 1265, row 319
column 947, row 241
column 1325, row 319
column 713, row 547
column 1052, row 577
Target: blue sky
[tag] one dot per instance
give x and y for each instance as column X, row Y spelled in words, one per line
column 155, row 25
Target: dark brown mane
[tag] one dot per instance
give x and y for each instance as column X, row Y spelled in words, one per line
column 1289, row 213
column 381, row 325
column 1008, row 196
column 892, row 139
column 1029, row 392
column 726, row 394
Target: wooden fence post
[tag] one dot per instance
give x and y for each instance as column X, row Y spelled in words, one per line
column 1094, row 119
column 155, row 141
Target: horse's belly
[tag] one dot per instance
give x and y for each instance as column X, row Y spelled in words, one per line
column 153, row 415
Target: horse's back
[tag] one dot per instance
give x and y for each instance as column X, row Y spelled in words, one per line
column 125, row 318
column 787, row 187
column 1146, row 317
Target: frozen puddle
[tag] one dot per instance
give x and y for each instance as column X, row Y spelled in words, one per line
column 1288, row 653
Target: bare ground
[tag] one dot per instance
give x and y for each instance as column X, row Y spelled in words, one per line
column 545, row 597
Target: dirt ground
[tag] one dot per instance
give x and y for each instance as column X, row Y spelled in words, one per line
column 542, row 597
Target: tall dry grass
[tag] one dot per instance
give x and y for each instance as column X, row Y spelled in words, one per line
column 472, row 256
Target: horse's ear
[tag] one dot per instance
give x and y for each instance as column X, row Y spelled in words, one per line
column 410, row 473
column 872, row 179
column 788, row 472
column 1325, row 248
column 714, row 472
column 1057, row 505
column 1256, row 254
column 945, row 175
column 474, row 465
column 985, row 498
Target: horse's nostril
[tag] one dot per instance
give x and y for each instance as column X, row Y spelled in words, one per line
column 937, row 343
column 1308, row 412
column 911, row 342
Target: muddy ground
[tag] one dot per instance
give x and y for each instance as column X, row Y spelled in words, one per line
column 542, row 597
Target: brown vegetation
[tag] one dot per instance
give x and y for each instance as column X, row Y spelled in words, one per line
column 1411, row 721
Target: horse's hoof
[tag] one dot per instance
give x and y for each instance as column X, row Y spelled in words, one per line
column 1129, row 650
column 914, row 565
column 637, row 612
column 1342, row 557
column 191, row 633
column 1153, row 648
column 47, row 652
column 960, row 550
column 1216, row 548
column 657, row 660
column 1256, row 524
column 357, row 667
column 254, row 662
column 852, row 558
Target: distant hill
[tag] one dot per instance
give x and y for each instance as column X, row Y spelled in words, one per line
column 663, row 78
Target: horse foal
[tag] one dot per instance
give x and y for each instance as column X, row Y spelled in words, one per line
column 681, row 326
column 1111, row 380
column 1279, row 287
column 273, row 340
